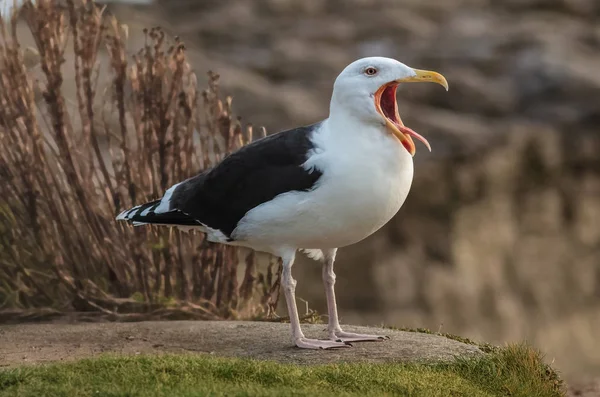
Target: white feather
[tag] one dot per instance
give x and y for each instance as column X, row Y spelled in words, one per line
column 215, row 235
column 165, row 202
column 146, row 211
column 316, row 255
column 124, row 214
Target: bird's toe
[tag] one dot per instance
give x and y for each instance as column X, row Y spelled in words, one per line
column 349, row 337
column 306, row 343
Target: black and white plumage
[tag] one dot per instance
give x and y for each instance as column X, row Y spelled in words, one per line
column 314, row 188
column 218, row 199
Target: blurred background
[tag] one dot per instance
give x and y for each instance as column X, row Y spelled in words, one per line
column 499, row 240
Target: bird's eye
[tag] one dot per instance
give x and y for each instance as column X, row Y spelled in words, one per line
column 370, row 71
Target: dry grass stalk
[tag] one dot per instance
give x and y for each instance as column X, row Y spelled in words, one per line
column 65, row 174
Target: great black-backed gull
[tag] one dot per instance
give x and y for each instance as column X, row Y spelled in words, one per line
column 314, row 188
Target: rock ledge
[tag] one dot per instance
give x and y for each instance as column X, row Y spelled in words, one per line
column 39, row 343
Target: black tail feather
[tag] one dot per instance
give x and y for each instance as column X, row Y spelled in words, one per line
column 145, row 213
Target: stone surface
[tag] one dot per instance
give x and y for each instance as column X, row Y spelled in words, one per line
column 39, row 343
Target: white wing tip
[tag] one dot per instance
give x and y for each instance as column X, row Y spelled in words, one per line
column 122, row 216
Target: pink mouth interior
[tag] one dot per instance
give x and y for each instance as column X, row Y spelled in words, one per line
column 389, row 107
column 388, row 104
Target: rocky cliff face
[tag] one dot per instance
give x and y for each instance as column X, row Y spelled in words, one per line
column 500, row 238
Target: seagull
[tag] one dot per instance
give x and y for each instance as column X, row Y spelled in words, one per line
column 314, row 188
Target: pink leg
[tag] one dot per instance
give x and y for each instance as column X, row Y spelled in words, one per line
column 333, row 329
column 289, row 288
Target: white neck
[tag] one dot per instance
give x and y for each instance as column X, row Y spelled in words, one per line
column 348, row 133
column 344, row 144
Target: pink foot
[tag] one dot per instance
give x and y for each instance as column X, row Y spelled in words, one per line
column 347, row 337
column 305, row 343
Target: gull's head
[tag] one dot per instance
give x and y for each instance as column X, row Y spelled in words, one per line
column 366, row 89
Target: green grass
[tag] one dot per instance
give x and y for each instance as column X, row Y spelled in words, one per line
column 510, row 371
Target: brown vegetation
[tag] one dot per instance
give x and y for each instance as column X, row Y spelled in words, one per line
column 67, row 171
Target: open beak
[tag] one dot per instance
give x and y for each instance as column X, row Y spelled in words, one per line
column 386, row 105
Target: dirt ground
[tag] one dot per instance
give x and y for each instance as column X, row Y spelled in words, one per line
column 41, row 343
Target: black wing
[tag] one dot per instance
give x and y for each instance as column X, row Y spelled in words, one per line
column 256, row 173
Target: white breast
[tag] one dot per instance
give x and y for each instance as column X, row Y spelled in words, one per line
column 366, row 178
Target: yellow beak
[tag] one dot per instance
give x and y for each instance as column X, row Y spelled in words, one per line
column 426, row 76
